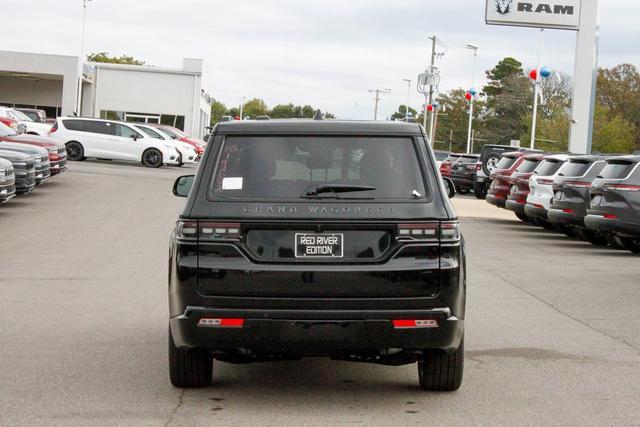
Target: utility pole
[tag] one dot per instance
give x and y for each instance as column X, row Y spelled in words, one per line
column 81, row 59
column 242, row 99
column 536, row 92
column 378, row 93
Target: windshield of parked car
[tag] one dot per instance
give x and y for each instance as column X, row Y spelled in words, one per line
column 21, row 116
column 150, row 133
column 170, row 134
column 286, row 167
column 6, row 130
column 506, row 162
column 549, row 167
column 528, row 166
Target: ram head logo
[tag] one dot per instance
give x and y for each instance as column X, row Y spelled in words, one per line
column 504, row 6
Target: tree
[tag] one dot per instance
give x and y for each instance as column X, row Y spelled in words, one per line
column 283, row 111
column 612, row 133
column 507, row 110
column 255, row 107
column 402, row 113
column 104, row 57
column 218, row 109
column 233, row 112
column 496, row 77
column 619, row 91
column 453, row 124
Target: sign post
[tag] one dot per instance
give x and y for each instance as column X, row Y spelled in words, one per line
column 574, row 15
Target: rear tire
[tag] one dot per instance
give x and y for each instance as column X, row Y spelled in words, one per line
column 595, row 238
column 152, row 158
column 189, row 369
column 630, row 244
column 75, row 151
column 523, row 217
column 463, row 190
column 480, row 190
column 440, row 371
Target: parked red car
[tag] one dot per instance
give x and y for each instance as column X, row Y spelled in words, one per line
column 176, row 133
column 57, row 153
column 517, row 198
column 501, row 178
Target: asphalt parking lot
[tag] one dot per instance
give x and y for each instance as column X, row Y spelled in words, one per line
column 553, row 325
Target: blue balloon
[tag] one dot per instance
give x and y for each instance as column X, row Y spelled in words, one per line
column 473, row 92
column 545, row 72
column 435, row 105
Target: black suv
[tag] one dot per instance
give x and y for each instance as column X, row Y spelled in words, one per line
column 308, row 238
column 615, row 201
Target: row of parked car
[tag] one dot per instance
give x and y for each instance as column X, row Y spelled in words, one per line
column 594, row 197
column 27, row 161
column 151, row 144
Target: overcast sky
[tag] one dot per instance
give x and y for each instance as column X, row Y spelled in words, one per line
column 327, row 53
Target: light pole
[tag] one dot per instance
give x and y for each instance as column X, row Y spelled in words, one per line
column 471, row 101
column 242, row 99
column 536, row 91
column 406, row 114
column 81, row 59
column 377, row 99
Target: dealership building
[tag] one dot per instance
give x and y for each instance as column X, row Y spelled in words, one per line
column 173, row 96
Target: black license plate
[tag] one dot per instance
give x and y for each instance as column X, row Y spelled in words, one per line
column 325, row 245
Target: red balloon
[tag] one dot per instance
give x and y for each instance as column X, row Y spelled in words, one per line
column 468, row 96
column 430, row 108
column 534, row 74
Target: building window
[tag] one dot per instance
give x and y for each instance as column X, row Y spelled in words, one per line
column 134, row 117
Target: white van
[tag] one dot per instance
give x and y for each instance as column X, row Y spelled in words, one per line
column 113, row 140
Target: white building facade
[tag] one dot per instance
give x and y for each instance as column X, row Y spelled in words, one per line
column 173, row 96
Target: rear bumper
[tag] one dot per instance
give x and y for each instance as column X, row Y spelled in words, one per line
column 497, row 200
column 464, row 181
column 515, row 206
column 558, row 216
column 315, row 332
column 600, row 223
column 535, row 212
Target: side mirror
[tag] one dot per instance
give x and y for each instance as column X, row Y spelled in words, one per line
column 134, row 136
column 182, row 186
column 451, row 188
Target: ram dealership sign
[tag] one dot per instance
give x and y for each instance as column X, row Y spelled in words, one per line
column 559, row 14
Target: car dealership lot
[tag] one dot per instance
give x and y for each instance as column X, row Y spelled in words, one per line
column 552, row 324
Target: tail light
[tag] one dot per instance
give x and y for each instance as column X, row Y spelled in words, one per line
column 444, row 232
column 622, row 187
column 543, row 181
column 536, row 205
column 478, row 166
column 221, row 323
column 211, row 231
column 414, row 323
column 53, row 128
column 610, row 216
column 569, row 211
column 577, row 184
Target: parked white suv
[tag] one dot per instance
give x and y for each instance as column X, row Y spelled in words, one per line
column 31, row 127
column 113, row 140
column 541, row 186
column 187, row 152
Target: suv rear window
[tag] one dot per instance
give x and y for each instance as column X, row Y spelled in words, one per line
column 616, row 170
column 506, row 162
column 286, row 167
column 549, row 167
column 576, row 168
column 528, row 166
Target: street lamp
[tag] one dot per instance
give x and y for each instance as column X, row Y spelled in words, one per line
column 81, row 61
column 471, row 101
column 242, row 99
column 406, row 114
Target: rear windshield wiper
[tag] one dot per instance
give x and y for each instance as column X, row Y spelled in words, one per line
column 316, row 190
